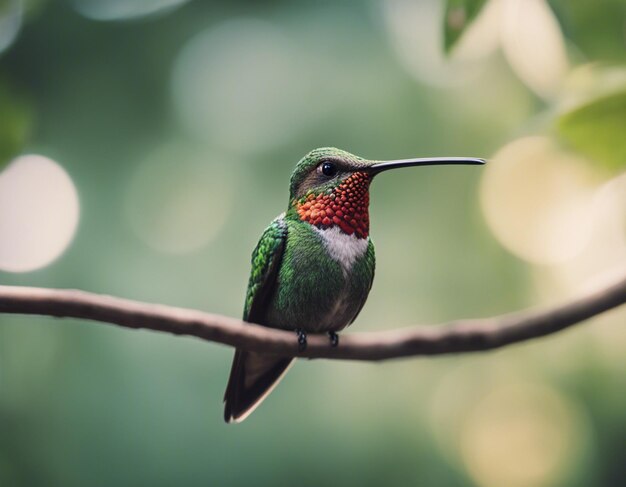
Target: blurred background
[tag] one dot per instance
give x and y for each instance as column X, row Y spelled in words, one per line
column 146, row 144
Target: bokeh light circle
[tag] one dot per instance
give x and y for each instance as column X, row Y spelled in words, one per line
column 39, row 212
column 415, row 32
column 603, row 260
column 124, row 9
column 537, row 200
column 240, row 85
column 177, row 201
column 533, row 45
column 522, row 435
column 11, row 13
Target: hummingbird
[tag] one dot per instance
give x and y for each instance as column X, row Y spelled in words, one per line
column 313, row 267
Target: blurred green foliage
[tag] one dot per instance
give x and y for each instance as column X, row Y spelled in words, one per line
column 15, row 122
column 596, row 28
column 598, row 130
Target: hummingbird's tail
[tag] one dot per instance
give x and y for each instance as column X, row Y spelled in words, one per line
column 252, row 377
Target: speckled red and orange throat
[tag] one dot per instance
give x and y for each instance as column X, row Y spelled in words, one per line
column 347, row 206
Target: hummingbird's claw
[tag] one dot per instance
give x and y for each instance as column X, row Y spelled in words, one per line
column 334, row 339
column 301, row 339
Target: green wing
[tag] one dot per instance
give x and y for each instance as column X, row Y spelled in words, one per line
column 266, row 260
column 252, row 374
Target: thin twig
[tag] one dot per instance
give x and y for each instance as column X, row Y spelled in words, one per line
column 455, row 337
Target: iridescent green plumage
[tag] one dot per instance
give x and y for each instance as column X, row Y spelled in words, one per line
column 265, row 261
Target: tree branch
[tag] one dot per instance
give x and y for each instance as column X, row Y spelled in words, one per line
column 454, row 337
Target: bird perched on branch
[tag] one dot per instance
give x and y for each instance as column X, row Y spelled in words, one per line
column 313, row 266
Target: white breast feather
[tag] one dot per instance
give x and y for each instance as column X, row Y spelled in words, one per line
column 343, row 248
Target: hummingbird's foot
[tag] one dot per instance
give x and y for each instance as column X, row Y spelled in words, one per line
column 334, row 339
column 301, row 339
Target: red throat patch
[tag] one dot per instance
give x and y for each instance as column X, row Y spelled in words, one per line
column 347, row 206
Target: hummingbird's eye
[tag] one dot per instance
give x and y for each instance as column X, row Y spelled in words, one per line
column 327, row 169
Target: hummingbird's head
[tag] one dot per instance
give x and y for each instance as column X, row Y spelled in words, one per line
column 322, row 170
column 330, row 187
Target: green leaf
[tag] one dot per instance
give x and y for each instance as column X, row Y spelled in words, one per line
column 15, row 123
column 459, row 15
column 598, row 130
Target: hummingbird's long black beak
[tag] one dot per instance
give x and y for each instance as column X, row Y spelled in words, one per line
column 424, row 161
